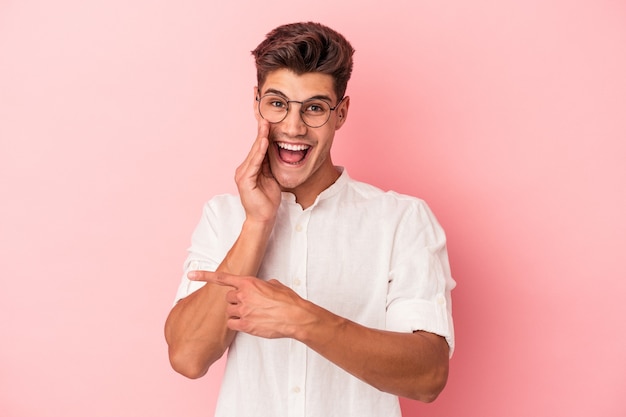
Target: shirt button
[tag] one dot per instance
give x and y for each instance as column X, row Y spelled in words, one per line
column 299, row 228
column 297, row 282
column 441, row 300
column 193, row 266
column 296, row 390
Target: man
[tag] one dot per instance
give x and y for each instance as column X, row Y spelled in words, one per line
column 331, row 296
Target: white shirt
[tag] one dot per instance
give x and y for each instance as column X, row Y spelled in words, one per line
column 377, row 258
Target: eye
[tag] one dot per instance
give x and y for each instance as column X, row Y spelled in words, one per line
column 315, row 107
column 277, row 103
column 273, row 104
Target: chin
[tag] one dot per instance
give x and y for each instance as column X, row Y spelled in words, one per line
column 284, row 178
column 287, row 182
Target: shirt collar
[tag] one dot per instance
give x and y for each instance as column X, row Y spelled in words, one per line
column 329, row 192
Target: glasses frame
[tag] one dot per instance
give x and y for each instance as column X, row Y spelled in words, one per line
column 259, row 98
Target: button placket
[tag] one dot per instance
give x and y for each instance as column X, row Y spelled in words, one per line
column 297, row 378
column 298, row 351
column 299, row 246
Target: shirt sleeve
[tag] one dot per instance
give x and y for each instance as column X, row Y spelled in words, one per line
column 420, row 281
column 210, row 241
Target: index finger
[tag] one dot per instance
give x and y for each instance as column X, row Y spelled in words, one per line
column 219, row 278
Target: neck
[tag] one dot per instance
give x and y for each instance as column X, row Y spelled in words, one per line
column 307, row 193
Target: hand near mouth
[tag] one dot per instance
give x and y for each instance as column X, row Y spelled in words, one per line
column 258, row 190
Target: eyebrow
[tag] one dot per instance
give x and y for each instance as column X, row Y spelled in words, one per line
column 280, row 93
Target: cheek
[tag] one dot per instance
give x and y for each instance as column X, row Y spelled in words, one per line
column 326, row 140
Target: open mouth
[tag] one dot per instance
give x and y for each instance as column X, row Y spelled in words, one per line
column 292, row 154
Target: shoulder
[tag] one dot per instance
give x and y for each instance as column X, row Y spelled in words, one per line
column 223, row 205
column 221, row 200
column 390, row 205
column 370, row 194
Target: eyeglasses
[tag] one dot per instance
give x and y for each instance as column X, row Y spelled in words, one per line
column 313, row 112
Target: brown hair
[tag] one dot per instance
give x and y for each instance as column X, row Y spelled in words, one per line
column 305, row 47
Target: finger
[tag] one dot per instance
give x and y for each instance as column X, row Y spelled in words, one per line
column 232, row 311
column 251, row 166
column 259, row 147
column 266, row 169
column 206, row 276
column 220, row 278
column 232, row 297
column 234, row 323
column 263, row 130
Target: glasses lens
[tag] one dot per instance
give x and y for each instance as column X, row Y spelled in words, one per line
column 315, row 113
column 273, row 108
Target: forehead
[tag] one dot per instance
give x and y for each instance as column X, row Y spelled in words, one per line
column 299, row 86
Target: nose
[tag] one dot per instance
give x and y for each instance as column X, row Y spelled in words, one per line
column 293, row 124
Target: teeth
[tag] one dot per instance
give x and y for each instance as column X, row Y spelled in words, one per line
column 292, row 147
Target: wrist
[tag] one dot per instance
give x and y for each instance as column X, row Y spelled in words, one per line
column 317, row 326
column 258, row 227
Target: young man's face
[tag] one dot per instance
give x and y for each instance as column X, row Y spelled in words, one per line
column 299, row 155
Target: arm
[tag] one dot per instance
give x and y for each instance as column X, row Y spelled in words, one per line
column 195, row 330
column 412, row 365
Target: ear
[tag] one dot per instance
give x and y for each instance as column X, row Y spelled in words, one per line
column 342, row 112
column 255, row 104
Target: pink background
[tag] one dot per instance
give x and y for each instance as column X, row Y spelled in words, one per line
column 118, row 119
